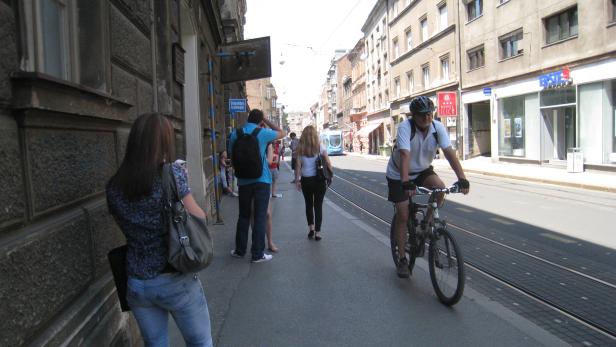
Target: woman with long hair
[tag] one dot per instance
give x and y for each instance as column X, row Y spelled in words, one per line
column 309, row 150
column 134, row 197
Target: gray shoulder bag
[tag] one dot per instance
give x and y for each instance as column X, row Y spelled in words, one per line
column 191, row 248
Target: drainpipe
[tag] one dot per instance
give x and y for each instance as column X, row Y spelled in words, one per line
column 460, row 123
column 154, row 35
column 210, row 65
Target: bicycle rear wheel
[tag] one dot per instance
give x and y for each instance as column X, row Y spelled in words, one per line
column 446, row 267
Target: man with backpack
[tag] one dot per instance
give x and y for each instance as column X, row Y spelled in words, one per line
column 410, row 165
column 248, row 146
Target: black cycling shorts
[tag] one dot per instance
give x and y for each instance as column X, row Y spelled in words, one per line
column 397, row 194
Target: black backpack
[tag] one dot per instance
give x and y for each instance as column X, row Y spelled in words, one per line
column 246, row 156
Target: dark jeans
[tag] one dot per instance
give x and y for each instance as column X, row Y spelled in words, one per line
column 259, row 193
column 314, row 192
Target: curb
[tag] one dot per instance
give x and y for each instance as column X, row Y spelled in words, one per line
column 542, row 180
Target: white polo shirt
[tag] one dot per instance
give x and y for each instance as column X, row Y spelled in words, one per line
column 422, row 149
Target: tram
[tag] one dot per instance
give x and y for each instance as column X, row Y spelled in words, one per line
column 332, row 139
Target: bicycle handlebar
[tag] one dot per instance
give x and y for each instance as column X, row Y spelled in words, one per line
column 426, row 191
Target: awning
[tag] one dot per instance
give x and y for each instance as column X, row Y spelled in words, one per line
column 369, row 127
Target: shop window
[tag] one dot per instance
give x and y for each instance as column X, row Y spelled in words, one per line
column 557, row 97
column 511, row 132
column 561, row 26
column 510, row 44
column 475, row 58
column 474, row 9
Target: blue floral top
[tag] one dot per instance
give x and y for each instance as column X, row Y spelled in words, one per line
column 141, row 222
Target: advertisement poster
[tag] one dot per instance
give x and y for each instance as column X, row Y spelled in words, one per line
column 517, row 127
column 507, row 124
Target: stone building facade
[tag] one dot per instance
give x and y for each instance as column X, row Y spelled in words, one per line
column 539, row 80
column 74, row 75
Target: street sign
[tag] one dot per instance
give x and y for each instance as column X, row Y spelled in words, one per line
column 237, row 105
column 447, row 105
column 487, row 91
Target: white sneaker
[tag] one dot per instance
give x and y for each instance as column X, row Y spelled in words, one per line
column 266, row 257
column 235, row 255
column 234, row 194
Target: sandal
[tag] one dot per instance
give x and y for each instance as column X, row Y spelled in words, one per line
column 310, row 234
column 317, row 236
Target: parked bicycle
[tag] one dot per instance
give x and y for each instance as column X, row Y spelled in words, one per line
column 444, row 257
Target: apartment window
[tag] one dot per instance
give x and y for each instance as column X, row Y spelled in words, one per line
column 371, row 41
column 613, row 6
column 409, row 39
column 474, row 9
column 396, row 48
column 442, row 17
column 561, row 25
column 425, row 71
column 445, row 69
column 380, row 100
column 397, row 86
column 396, row 7
column 510, row 44
column 55, row 47
column 54, row 38
column 410, row 83
column 475, row 58
column 423, row 24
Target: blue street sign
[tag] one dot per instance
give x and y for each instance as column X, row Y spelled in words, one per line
column 487, row 91
column 237, row 105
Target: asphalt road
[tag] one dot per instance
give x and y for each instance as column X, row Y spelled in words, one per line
column 520, row 237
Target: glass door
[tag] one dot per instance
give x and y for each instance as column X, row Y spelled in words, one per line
column 560, row 128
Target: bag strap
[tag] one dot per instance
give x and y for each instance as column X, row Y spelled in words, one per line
column 256, row 131
column 170, row 189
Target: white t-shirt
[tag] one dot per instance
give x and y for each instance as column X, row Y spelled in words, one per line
column 309, row 164
column 423, row 149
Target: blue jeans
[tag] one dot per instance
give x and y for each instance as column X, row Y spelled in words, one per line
column 257, row 194
column 179, row 294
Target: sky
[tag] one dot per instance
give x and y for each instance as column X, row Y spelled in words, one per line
column 303, row 36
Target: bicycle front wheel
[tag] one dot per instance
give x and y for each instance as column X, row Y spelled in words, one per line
column 446, row 267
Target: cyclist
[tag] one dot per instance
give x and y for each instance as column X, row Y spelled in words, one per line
column 410, row 166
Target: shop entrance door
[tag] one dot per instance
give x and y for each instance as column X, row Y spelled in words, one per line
column 559, row 132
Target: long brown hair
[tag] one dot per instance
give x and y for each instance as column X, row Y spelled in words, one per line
column 309, row 142
column 151, row 142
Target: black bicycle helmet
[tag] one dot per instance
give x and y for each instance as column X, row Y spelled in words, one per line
column 421, row 104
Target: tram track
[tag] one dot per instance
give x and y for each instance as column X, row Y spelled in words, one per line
column 606, row 330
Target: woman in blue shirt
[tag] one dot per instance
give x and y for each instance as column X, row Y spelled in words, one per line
column 134, row 193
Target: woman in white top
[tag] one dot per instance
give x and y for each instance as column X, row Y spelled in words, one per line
column 312, row 187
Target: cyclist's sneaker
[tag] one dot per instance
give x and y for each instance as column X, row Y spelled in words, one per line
column 421, row 250
column 403, row 268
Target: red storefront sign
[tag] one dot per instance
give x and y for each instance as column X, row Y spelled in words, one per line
column 447, row 104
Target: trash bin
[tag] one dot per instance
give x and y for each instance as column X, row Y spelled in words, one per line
column 575, row 160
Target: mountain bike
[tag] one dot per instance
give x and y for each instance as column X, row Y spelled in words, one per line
column 444, row 257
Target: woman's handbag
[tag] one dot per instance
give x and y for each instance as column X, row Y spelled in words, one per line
column 117, row 262
column 323, row 171
column 191, row 248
